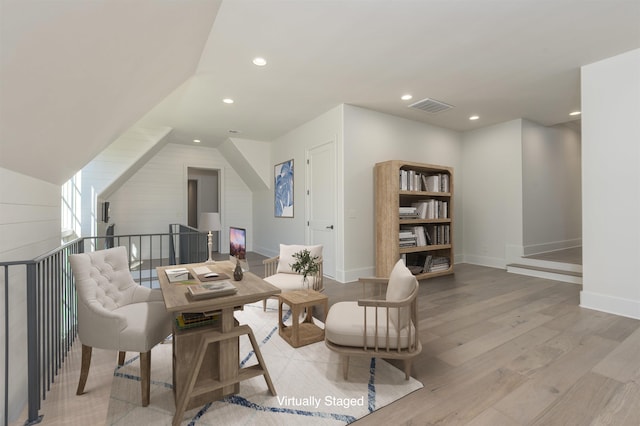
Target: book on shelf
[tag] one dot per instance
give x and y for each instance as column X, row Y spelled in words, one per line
column 439, row 234
column 415, row 234
column 406, row 234
column 439, row 263
column 438, row 182
column 196, row 319
column 413, row 180
column 214, row 289
column 432, row 208
column 408, row 213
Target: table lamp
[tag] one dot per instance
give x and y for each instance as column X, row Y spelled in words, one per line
column 210, row 222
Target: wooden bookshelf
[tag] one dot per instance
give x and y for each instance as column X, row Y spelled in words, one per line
column 396, row 186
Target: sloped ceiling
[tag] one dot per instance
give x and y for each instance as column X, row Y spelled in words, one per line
column 502, row 60
column 77, row 74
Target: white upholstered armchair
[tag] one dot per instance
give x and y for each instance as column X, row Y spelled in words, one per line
column 116, row 313
column 278, row 271
column 383, row 326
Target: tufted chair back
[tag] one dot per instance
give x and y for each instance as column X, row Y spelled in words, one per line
column 103, row 278
column 116, row 313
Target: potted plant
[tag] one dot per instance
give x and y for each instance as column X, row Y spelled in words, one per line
column 306, row 265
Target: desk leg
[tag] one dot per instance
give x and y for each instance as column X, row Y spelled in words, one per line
column 229, row 355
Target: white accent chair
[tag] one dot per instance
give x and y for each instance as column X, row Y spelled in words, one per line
column 277, row 270
column 383, row 326
column 116, row 313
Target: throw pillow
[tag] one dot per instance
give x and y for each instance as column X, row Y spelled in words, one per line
column 287, row 259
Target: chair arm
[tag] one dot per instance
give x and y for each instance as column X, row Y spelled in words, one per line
column 374, row 280
column 145, row 294
column 381, row 302
column 378, row 283
column 270, row 266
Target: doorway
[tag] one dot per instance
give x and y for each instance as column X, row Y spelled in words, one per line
column 203, row 195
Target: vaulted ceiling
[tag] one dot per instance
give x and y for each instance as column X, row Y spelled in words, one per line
column 75, row 75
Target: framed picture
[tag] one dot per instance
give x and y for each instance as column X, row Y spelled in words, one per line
column 283, row 189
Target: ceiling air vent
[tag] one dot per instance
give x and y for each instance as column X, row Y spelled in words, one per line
column 431, row 106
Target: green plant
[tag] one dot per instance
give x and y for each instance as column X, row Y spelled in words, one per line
column 305, row 263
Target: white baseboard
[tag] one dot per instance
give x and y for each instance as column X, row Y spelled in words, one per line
column 610, row 304
column 354, row 274
column 492, row 262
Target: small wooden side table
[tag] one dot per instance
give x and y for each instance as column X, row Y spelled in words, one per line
column 305, row 332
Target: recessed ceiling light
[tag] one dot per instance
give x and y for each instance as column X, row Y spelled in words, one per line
column 261, row 62
column 575, row 113
column 196, row 140
column 227, row 100
column 474, row 117
column 406, row 97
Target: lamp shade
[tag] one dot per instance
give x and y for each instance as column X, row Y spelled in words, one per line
column 209, row 222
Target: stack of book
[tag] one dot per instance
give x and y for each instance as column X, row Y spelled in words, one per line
column 416, row 233
column 407, row 238
column 436, row 263
column 408, row 212
column 196, row 319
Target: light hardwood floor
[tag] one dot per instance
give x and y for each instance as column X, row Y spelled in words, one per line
column 498, row 349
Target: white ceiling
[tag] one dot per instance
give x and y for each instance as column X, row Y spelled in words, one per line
column 500, row 60
column 76, row 75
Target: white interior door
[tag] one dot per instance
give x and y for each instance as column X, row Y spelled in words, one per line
column 321, row 202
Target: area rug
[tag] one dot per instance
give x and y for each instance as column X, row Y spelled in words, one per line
column 308, row 381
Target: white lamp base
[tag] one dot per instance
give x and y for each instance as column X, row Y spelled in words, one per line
column 210, row 246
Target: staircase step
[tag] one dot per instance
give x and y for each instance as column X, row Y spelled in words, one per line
column 544, row 272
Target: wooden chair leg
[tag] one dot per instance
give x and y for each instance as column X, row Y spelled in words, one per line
column 345, row 366
column 84, row 368
column 121, row 356
column 145, row 376
column 407, row 369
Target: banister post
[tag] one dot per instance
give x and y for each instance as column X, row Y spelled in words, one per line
column 33, row 353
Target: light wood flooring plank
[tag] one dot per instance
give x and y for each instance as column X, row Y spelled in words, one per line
column 541, row 391
column 495, row 338
column 623, row 409
column 623, row 363
column 584, row 401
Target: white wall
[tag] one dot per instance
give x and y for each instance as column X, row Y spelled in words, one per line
column 492, row 194
column 551, row 180
column 113, row 166
column 611, row 185
column 371, row 137
column 270, row 231
column 156, row 195
column 29, row 227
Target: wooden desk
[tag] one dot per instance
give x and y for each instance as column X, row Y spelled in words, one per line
column 197, row 382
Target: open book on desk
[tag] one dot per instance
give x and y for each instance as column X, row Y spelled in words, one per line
column 214, row 289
